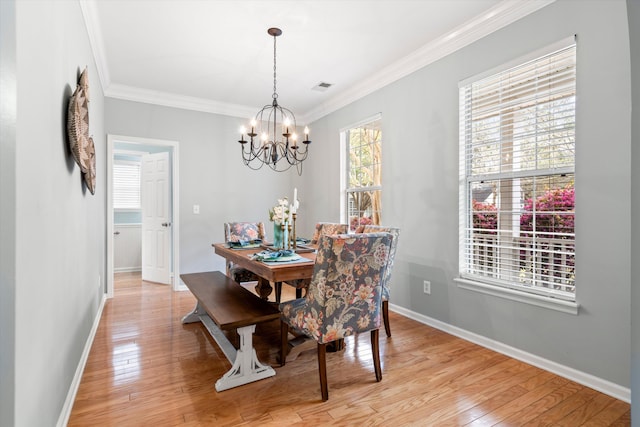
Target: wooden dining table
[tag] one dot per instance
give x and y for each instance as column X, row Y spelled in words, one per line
column 270, row 275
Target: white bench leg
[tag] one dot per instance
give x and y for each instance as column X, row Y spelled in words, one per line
column 194, row 315
column 246, row 367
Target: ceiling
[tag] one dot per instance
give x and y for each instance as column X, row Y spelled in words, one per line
column 216, row 55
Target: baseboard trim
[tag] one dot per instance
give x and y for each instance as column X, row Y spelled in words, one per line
column 127, row 269
column 596, row 383
column 63, row 420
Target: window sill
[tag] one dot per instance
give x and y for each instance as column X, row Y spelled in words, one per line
column 564, row 306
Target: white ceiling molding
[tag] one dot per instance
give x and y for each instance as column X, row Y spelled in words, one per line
column 92, row 23
column 494, row 19
column 131, row 93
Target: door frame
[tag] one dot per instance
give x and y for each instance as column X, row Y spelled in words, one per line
column 175, row 219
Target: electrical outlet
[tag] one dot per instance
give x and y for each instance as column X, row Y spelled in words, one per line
column 427, row 287
column 196, row 209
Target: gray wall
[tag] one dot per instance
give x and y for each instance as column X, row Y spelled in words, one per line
column 211, row 174
column 58, row 253
column 7, row 210
column 634, row 36
column 420, row 188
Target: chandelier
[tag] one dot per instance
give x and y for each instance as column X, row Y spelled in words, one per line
column 276, row 127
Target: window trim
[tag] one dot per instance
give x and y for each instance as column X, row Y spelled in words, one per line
column 545, row 301
column 560, row 302
column 344, row 167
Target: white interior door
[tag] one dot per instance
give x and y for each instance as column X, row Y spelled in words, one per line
column 156, row 218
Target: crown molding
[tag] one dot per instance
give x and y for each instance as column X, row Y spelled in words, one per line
column 92, row 23
column 130, row 93
column 499, row 16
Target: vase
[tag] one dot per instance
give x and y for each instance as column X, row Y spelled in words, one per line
column 280, row 236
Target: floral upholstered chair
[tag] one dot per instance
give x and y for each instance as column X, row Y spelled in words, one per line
column 344, row 297
column 328, row 228
column 242, row 233
column 322, row 228
column 387, row 277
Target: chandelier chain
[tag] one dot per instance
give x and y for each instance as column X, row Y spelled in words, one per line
column 275, row 93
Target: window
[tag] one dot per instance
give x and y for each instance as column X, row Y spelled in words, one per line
column 517, row 163
column 126, row 184
column 362, row 179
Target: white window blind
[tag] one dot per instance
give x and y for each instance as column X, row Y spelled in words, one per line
column 126, row 184
column 517, row 162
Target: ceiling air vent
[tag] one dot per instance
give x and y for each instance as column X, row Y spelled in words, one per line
column 322, row 86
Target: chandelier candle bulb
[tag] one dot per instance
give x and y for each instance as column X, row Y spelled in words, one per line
column 253, row 125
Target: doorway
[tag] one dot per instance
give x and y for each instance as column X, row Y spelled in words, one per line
column 139, row 147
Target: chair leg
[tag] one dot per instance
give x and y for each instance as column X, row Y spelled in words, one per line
column 375, row 350
column 284, row 341
column 322, row 368
column 385, row 317
column 278, row 291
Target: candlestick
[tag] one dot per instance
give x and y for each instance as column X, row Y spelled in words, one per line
column 295, row 239
column 289, row 244
column 282, row 228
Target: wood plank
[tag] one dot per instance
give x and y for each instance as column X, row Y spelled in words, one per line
column 227, row 303
column 147, row 368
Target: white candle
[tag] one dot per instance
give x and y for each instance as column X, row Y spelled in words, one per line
column 295, row 200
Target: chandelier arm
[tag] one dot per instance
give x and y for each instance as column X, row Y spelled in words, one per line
column 249, row 157
column 249, row 162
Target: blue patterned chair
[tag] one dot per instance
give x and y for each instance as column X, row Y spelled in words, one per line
column 344, row 296
column 322, row 228
column 241, row 233
column 387, row 277
column 328, row 228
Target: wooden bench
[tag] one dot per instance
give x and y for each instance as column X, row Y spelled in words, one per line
column 223, row 304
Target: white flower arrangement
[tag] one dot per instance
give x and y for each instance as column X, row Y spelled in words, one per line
column 280, row 212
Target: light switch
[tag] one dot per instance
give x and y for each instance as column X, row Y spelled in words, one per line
column 196, row 209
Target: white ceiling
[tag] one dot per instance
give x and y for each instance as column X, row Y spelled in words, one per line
column 216, row 55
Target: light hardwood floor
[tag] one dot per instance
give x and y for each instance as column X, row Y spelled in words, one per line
column 147, row 368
